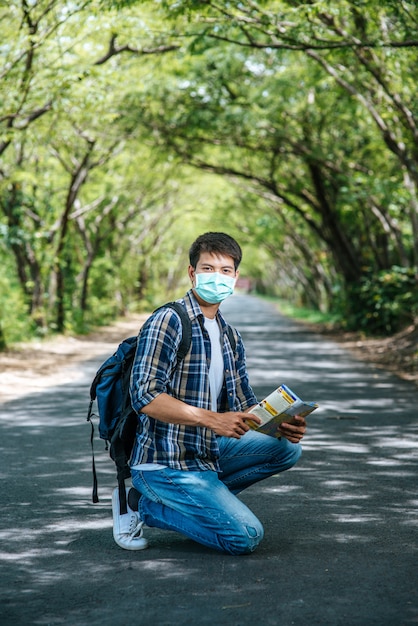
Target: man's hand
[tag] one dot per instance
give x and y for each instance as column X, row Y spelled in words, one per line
column 294, row 430
column 232, row 424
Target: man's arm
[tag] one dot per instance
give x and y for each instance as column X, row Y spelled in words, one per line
column 230, row 424
column 170, row 410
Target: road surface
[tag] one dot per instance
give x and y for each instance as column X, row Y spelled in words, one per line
column 340, row 547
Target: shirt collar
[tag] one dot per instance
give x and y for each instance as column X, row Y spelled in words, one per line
column 195, row 312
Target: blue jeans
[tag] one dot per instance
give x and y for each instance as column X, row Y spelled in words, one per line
column 203, row 505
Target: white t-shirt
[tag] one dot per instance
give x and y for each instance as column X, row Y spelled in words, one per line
column 216, row 369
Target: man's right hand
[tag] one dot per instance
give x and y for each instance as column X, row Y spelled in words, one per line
column 231, row 424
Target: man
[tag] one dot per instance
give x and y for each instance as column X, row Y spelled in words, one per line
column 194, row 451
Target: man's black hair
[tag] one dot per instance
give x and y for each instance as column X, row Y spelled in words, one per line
column 215, row 243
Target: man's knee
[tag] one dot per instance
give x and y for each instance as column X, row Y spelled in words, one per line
column 244, row 541
column 288, row 454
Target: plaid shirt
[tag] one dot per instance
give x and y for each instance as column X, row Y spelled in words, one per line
column 156, row 371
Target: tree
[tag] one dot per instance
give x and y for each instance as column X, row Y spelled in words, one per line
column 58, row 128
column 224, row 112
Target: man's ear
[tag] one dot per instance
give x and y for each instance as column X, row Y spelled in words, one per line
column 191, row 272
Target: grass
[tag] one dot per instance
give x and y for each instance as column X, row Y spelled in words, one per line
column 303, row 314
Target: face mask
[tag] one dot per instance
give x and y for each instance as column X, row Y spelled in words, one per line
column 214, row 287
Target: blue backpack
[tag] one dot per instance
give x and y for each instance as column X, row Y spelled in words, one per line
column 117, row 419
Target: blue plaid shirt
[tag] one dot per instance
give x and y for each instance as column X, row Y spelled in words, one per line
column 155, row 371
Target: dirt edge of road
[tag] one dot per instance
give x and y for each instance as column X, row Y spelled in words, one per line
column 36, row 365
column 397, row 353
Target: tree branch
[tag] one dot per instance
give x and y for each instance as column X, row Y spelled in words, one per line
column 328, row 45
column 114, row 50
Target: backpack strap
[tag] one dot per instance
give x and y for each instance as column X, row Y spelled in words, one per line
column 186, row 336
column 232, row 338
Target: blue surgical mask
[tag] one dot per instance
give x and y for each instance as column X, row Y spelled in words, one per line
column 214, row 287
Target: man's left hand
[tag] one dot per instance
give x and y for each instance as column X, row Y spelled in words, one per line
column 293, row 430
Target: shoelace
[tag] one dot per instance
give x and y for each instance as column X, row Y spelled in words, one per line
column 135, row 526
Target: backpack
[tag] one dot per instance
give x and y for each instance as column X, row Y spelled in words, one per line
column 117, row 419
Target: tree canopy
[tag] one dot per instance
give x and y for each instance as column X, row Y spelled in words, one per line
column 127, row 128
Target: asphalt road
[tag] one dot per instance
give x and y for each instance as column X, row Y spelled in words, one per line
column 341, row 543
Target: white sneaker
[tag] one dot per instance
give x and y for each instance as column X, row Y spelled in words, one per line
column 127, row 529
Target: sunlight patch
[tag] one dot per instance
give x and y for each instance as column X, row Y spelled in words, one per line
column 281, row 489
column 165, row 568
column 356, row 519
column 29, row 555
column 72, row 525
